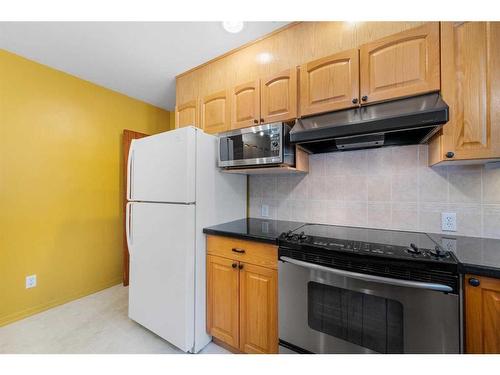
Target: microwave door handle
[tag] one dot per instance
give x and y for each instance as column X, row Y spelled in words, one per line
column 366, row 277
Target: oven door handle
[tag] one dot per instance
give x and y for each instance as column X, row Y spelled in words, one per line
column 366, row 277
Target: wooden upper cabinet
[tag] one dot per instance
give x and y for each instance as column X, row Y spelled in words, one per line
column 401, row 65
column 187, row 114
column 216, row 112
column 482, row 315
column 330, row 83
column 470, row 57
column 223, row 299
column 245, row 105
column 278, row 96
column 258, row 309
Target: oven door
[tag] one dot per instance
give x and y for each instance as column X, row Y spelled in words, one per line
column 324, row 312
column 257, row 145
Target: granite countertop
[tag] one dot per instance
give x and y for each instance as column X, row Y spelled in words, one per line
column 254, row 229
column 479, row 256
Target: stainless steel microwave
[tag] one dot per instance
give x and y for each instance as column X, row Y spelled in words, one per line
column 259, row 145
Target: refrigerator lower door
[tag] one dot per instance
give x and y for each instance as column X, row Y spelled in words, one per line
column 161, row 242
column 162, row 167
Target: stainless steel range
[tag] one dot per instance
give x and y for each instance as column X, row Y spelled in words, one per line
column 356, row 290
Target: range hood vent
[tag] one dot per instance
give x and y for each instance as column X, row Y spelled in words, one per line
column 400, row 122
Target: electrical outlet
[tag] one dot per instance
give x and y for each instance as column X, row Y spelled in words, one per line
column 264, row 210
column 30, row 281
column 449, row 221
column 449, row 244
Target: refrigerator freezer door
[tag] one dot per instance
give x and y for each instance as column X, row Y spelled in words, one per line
column 162, row 242
column 162, row 167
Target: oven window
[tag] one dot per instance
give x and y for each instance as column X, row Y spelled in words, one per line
column 372, row 322
column 249, row 145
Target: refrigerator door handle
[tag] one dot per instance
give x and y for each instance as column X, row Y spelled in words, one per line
column 130, row 169
column 128, row 226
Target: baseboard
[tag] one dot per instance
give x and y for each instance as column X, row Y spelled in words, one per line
column 11, row 318
column 226, row 346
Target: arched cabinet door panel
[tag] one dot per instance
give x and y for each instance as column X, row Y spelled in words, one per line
column 187, row 114
column 245, row 105
column 216, row 112
column 330, row 83
column 400, row 65
column 278, row 96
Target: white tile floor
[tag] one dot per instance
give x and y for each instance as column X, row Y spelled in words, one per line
column 94, row 324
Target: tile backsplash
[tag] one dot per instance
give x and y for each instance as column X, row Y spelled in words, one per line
column 388, row 187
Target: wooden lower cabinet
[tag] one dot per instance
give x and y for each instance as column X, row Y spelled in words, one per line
column 258, row 309
column 242, row 298
column 482, row 315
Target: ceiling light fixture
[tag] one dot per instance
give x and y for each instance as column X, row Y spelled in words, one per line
column 264, row 57
column 232, row 26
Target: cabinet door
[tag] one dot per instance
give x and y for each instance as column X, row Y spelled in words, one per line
column 330, row 83
column 187, row 114
column 223, row 299
column 215, row 113
column 401, row 65
column 482, row 315
column 258, row 309
column 470, row 56
column 245, row 105
column 278, row 96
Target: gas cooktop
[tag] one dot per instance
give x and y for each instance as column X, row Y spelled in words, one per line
column 398, row 245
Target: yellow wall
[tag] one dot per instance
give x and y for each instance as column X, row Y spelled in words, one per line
column 61, row 183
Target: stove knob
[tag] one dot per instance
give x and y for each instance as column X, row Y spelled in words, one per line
column 438, row 253
column 302, row 236
column 288, row 234
column 413, row 249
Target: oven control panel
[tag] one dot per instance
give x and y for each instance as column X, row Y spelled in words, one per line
column 412, row 251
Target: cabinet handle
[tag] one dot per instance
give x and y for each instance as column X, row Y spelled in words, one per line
column 355, row 101
column 450, row 154
column 240, row 266
column 474, row 282
column 239, row 251
column 364, row 98
column 234, row 265
column 261, row 120
column 255, row 121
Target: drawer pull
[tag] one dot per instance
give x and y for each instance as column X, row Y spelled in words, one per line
column 239, row 251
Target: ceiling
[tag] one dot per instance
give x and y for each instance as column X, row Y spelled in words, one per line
column 138, row 59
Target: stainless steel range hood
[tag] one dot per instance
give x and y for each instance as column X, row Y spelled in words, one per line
column 399, row 122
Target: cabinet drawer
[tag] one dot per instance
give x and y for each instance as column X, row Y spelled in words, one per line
column 260, row 254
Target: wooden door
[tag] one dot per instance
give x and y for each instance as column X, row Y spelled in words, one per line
column 245, row 105
column 400, row 65
column 482, row 314
column 258, row 309
column 223, row 299
column 278, row 96
column 330, row 83
column 216, row 112
column 470, row 56
column 187, row 114
column 127, row 137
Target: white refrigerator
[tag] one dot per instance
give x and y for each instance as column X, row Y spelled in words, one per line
column 175, row 189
